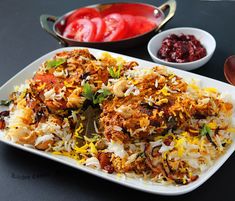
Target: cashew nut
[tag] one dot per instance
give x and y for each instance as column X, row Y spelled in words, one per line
column 125, row 111
column 44, row 142
column 44, row 145
column 119, row 88
column 28, row 139
column 74, row 99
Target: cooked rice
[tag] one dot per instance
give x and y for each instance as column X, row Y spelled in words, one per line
column 153, row 124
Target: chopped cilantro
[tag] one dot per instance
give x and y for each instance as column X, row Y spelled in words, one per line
column 55, row 63
column 100, row 96
column 5, row 102
column 87, row 91
column 96, row 98
column 115, row 73
column 205, row 130
column 142, row 155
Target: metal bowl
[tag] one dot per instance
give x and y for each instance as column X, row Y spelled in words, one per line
column 146, row 10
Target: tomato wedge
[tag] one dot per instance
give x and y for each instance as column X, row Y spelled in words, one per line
column 115, row 27
column 137, row 25
column 81, row 13
column 82, row 30
column 47, row 78
column 130, row 23
column 70, row 30
column 100, row 28
column 142, row 25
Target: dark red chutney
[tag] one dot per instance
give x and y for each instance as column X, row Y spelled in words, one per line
column 181, row 48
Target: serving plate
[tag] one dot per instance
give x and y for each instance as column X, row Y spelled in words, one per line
column 135, row 183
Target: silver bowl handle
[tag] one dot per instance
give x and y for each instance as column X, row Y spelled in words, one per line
column 171, row 5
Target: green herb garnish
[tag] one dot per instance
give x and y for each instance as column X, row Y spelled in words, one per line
column 142, row 155
column 115, row 73
column 87, row 91
column 5, row 102
column 97, row 97
column 100, row 96
column 205, row 130
column 55, row 63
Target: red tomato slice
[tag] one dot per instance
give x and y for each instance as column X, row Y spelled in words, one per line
column 130, row 22
column 82, row 30
column 115, row 27
column 100, row 28
column 142, row 25
column 86, row 13
column 137, row 25
column 70, row 30
column 47, row 78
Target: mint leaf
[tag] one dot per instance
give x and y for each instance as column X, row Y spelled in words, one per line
column 205, row 130
column 115, row 74
column 96, row 98
column 5, row 102
column 100, row 96
column 119, row 70
column 105, row 92
column 111, row 72
column 87, row 91
column 55, row 63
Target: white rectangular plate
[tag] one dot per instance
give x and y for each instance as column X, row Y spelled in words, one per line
column 139, row 184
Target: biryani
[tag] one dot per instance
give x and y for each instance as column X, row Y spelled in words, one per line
column 113, row 115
